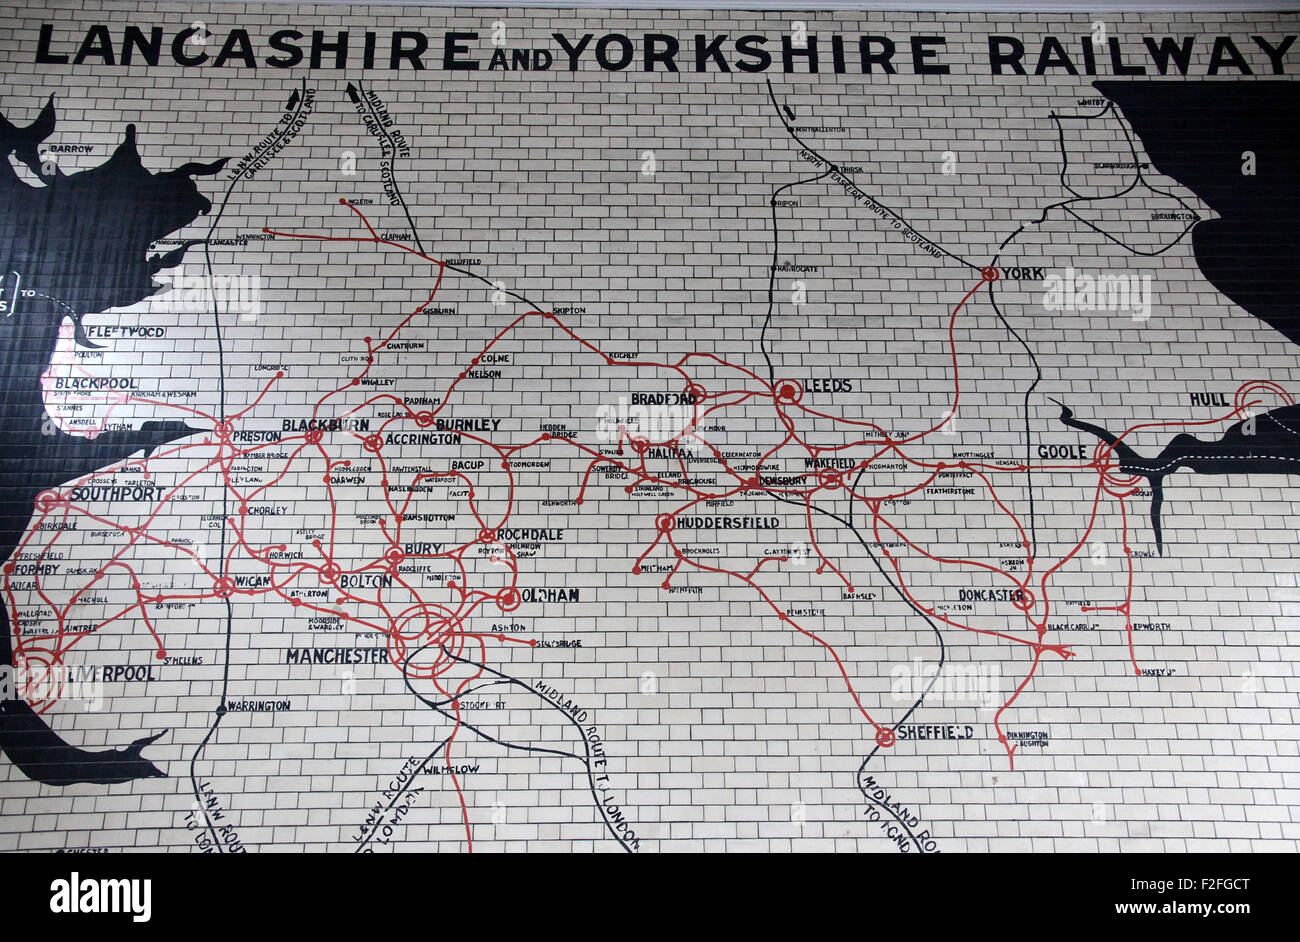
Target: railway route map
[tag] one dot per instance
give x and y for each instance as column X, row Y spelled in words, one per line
column 435, row 429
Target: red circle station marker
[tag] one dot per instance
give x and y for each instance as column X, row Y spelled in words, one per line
column 789, row 391
column 991, row 273
column 508, row 599
column 47, row 499
column 665, row 522
column 885, row 737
